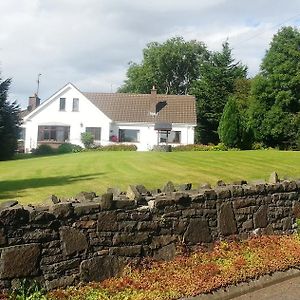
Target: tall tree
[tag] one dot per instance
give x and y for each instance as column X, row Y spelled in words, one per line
column 212, row 90
column 230, row 130
column 9, row 123
column 275, row 107
column 171, row 66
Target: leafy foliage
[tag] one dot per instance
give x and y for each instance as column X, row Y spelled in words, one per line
column 200, row 147
column 275, row 107
column 114, row 147
column 230, row 128
column 28, row 290
column 171, row 66
column 87, row 139
column 216, row 83
column 201, row 272
column 44, row 149
column 68, row 148
column 9, row 123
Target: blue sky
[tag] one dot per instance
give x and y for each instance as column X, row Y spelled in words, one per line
column 90, row 42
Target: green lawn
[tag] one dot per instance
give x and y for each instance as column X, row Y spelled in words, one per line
column 33, row 180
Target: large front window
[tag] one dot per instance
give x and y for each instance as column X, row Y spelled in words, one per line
column 95, row 131
column 172, row 137
column 129, row 135
column 54, row 133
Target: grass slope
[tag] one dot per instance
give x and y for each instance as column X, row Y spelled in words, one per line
column 32, row 180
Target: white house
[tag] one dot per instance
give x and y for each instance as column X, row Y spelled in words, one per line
column 110, row 117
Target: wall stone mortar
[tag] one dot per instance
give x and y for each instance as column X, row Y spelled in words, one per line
column 92, row 237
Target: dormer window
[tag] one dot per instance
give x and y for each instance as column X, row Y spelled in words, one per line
column 75, row 104
column 62, row 104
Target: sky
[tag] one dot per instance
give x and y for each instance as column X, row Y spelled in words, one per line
column 91, row 42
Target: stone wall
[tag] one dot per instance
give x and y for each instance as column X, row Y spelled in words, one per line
column 91, row 238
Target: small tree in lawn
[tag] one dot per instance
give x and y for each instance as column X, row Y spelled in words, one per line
column 230, row 125
column 87, row 139
column 9, row 123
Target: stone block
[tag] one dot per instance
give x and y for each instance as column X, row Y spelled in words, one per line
column 100, row 268
column 132, row 193
column 226, row 219
column 130, row 238
column 3, row 238
column 197, row 232
column 185, row 187
column 124, row 203
column 20, row 261
column 40, row 235
column 243, row 202
column 162, row 240
column 274, row 178
column 105, row 201
column 14, row 216
column 62, row 210
column 247, row 225
column 260, row 217
column 61, row 282
column 296, row 209
column 165, row 253
column 169, row 187
column 220, row 183
column 8, row 204
column 37, row 216
column 85, row 196
column 182, row 198
column 223, row 192
column 210, row 194
column 160, row 202
column 126, row 251
column 147, row 225
column 236, row 190
column 73, row 240
column 86, row 208
column 107, row 221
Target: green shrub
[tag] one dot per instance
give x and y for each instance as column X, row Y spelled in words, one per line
column 68, row 148
column 87, row 139
column 115, row 147
column 28, row 290
column 44, row 150
column 200, row 147
column 258, row 146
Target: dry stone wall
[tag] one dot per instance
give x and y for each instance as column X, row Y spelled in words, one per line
column 91, row 238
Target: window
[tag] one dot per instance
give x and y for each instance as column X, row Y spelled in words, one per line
column 21, row 133
column 62, row 104
column 54, row 133
column 95, row 131
column 173, row 137
column 129, row 135
column 75, row 104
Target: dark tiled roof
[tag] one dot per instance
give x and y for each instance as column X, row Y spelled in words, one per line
column 24, row 113
column 123, row 107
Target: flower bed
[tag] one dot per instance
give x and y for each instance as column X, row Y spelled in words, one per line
column 199, row 272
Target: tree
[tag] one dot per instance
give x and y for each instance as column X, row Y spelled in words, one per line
column 229, row 129
column 216, row 83
column 9, row 123
column 275, row 107
column 87, row 139
column 171, row 66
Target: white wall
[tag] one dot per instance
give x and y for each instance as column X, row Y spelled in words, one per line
column 148, row 136
column 49, row 114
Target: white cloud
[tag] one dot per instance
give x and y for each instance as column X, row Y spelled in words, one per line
column 90, row 42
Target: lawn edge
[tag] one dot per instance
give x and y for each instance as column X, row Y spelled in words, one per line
column 233, row 291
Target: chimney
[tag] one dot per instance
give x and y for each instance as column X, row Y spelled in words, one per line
column 33, row 102
column 153, row 101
